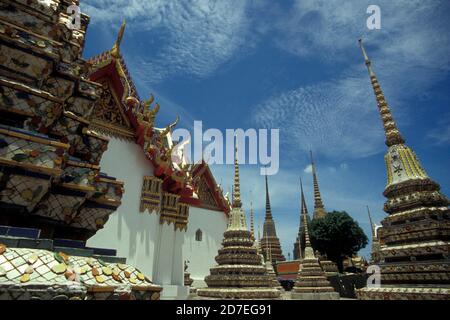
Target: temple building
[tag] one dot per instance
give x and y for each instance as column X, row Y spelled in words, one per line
column 207, row 222
column 270, row 238
column 312, row 283
column 90, row 189
column 240, row 273
column 173, row 211
column 414, row 237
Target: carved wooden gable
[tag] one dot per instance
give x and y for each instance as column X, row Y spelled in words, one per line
column 108, row 115
column 206, row 195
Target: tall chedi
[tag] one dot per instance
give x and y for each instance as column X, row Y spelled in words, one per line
column 299, row 245
column 319, row 209
column 415, row 236
column 240, row 273
column 312, row 282
column 319, row 212
column 270, row 238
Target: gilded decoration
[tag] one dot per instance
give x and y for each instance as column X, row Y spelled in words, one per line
column 205, row 194
column 413, row 251
column 108, row 115
column 151, row 195
column 173, row 211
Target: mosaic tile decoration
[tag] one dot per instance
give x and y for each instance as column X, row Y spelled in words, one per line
column 17, row 99
column 24, row 190
column 59, row 207
column 23, row 267
column 29, row 152
column 24, row 63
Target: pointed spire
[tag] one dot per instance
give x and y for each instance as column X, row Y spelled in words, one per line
column 392, row 133
column 237, row 187
column 252, row 226
column 304, row 209
column 372, row 225
column 116, row 48
column 309, row 252
column 319, row 210
column 268, row 209
column 303, row 212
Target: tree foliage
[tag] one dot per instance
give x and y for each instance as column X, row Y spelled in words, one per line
column 338, row 236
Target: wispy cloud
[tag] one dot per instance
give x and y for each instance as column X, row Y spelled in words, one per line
column 441, row 134
column 338, row 117
column 192, row 37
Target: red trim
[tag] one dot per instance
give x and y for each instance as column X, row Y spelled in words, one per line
column 110, row 73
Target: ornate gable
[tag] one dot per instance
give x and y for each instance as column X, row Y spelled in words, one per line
column 108, row 115
column 206, row 195
column 209, row 193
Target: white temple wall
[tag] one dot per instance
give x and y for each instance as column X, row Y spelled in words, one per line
column 133, row 234
column 164, row 255
column 154, row 248
column 201, row 254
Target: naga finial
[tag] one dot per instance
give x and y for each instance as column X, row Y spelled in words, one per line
column 148, row 102
column 116, row 48
column 170, row 127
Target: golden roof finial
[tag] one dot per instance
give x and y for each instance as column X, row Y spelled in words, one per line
column 237, row 187
column 148, row 102
column 116, row 48
column 170, row 127
column 391, row 131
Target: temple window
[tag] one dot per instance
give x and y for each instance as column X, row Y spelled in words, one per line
column 198, row 235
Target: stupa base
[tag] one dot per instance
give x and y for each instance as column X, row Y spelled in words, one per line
column 316, row 295
column 239, row 293
column 403, row 293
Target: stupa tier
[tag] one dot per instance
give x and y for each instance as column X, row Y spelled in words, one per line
column 270, row 239
column 312, row 283
column 50, row 178
column 240, row 273
column 415, row 236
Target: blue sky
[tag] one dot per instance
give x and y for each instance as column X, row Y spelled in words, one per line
column 296, row 66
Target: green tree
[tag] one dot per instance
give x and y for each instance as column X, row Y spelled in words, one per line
column 338, row 236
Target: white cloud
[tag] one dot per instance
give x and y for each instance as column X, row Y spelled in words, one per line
column 194, row 37
column 338, row 117
column 440, row 135
column 308, row 169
